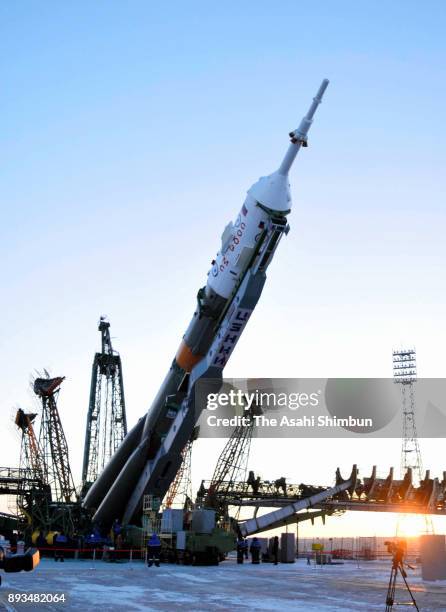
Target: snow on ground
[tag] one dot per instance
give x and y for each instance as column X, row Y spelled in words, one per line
column 89, row 585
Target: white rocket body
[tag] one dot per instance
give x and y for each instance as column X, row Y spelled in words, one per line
column 270, row 195
column 150, row 455
column 238, row 243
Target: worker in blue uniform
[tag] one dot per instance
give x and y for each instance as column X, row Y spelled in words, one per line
column 153, row 550
column 240, row 550
column 254, row 549
column 60, row 543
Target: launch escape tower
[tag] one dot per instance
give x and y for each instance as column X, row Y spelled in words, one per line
column 106, row 418
column 52, row 441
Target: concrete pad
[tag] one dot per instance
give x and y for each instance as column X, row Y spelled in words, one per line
column 98, row 585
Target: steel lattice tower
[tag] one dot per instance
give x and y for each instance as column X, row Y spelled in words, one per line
column 30, row 453
column 180, row 491
column 52, row 441
column 31, row 461
column 231, row 465
column 405, row 374
column 106, row 419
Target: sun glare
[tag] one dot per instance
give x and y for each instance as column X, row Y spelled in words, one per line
column 411, row 525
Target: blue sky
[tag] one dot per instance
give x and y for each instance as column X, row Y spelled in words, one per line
column 129, row 135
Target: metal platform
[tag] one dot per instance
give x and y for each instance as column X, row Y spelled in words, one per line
column 371, row 494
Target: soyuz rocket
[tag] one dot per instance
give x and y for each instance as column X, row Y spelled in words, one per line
column 150, row 455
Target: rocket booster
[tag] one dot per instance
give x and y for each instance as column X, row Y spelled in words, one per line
column 150, row 455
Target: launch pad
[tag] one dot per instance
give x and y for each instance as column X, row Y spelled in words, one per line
column 126, row 475
column 351, row 586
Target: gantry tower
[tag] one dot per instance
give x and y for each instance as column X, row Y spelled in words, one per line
column 106, row 418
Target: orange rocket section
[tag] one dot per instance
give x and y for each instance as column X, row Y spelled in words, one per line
column 185, row 358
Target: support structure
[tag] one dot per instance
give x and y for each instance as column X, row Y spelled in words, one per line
column 289, row 512
column 106, row 418
column 231, row 467
column 309, row 502
column 30, row 454
column 52, row 441
column 180, row 490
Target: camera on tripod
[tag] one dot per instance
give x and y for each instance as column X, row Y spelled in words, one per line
column 397, row 549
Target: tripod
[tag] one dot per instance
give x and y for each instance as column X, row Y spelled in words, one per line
column 398, row 551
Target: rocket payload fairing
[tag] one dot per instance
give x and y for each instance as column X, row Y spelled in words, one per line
column 150, row 455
